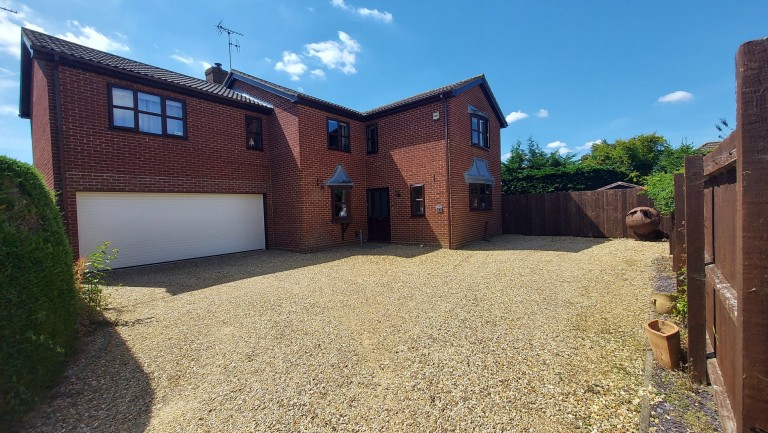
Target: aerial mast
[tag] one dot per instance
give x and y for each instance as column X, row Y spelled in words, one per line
column 230, row 44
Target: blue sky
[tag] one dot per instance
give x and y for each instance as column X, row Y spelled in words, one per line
column 567, row 73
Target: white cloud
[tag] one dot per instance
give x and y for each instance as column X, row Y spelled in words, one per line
column 542, row 113
column 375, row 14
column 204, row 64
column 556, row 145
column 515, row 116
column 268, row 60
column 563, row 151
column 384, row 17
column 506, row 156
column 9, row 110
column 183, row 59
column 90, row 37
column 292, row 65
column 300, row 89
column 676, row 96
column 317, row 73
column 335, row 55
column 10, row 30
column 588, row 145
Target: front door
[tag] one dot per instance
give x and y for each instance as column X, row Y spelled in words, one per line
column 378, row 215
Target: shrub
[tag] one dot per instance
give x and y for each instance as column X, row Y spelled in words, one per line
column 660, row 188
column 38, row 318
column 579, row 177
column 90, row 276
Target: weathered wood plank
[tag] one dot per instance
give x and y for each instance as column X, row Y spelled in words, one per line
column 694, row 263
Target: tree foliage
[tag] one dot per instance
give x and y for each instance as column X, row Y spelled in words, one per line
column 637, row 155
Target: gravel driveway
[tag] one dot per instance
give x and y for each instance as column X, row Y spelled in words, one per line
column 519, row 334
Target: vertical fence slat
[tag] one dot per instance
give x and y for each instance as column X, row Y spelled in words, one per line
column 694, row 263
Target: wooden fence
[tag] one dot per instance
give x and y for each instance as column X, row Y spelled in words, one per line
column 721, row 237
column 596, row 214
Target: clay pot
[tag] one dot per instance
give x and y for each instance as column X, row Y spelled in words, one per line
column 643, row 220
column 664, row 338
column 663, row 302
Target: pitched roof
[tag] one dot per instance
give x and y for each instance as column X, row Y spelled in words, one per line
column 41, row 42
column 450, row 89
column 619, row 185
column 708, row 147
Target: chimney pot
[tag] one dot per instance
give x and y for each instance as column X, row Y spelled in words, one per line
column 215, row 74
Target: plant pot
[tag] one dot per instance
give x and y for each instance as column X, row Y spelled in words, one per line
column 663, row 303
column 664, row 337
column 643, row 220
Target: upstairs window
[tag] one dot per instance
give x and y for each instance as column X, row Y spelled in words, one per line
column 253, row 135
column 340, row 209
column 338, row 135
column 479, row 196
column 479, row 131
column 417, row 200
column 145, row 112
column 372, row 139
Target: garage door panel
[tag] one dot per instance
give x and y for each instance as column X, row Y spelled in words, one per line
column 157, row 227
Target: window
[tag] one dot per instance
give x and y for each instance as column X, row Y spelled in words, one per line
column 253, row 136
column 338, row 135
column 145, row 112
column 479, row 131
column 417, row 200
column 340, row 203
column 372, row 138
column 479, row 196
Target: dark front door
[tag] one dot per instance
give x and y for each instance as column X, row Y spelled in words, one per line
column 378, row 215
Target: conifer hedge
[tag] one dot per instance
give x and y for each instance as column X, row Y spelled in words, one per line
column 38, row 298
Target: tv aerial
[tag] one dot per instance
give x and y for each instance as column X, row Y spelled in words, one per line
column 230, row 44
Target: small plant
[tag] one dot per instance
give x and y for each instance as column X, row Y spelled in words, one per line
column 680, row 309
column 90, row 276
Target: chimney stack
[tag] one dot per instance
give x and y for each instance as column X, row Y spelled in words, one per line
column 215, row 74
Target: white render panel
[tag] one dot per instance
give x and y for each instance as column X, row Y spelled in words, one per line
column 159, row 227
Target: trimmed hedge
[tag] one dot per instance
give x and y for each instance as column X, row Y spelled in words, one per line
column 38, row 298
column 578, row 177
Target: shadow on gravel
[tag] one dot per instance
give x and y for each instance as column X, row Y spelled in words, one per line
column 195, row 274
column 565, row 244
column 104, row 377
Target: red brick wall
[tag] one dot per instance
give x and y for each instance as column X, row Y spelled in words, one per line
column 213, row 158
column 41, row 112
column 317, row 166
column 468, row 225
column 283, row 148
column 412, row 151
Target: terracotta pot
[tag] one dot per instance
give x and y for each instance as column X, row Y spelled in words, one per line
column 663, row 302
column 643, row 220
column 664, row 338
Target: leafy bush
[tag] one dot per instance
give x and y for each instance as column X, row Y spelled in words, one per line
column 680, row 309
column 90, row 277
column 579, row 177
column 660, row 188
column 38, row 318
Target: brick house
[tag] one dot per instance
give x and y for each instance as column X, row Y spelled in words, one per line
column 169, row 167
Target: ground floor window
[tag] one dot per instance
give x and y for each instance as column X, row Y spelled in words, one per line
column 340, row 204
column 479, row 196
column 417, row 200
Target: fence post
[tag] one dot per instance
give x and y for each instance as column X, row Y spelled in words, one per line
column 694, row 264
column 752, row 233
column 678, row 230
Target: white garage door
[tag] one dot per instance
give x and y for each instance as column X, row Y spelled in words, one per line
column 158, row 227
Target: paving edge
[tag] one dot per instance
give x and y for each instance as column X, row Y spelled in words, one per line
column 645, row 404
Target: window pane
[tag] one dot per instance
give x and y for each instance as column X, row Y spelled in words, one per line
column 345, row 143
column 419, row 208
column 174, row 127
column 474, row 123
column 122, row 117
column 344, row 129
column 173, row 109
column 122, row 97
column 333, row 126
column 150, row 123
column 475, row 137
column 149, row 103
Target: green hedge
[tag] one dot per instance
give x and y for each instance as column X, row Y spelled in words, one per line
column 39, row 313
column 578, row 177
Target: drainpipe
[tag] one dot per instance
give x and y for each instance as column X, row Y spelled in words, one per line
column 447, row 171
column 62, row 198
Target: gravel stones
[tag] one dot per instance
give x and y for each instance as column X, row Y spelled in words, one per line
column 519, row 334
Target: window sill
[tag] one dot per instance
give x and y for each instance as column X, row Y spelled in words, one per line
column 134, row 131
column 257, row 149
column 339, row 150
column 487, row 149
